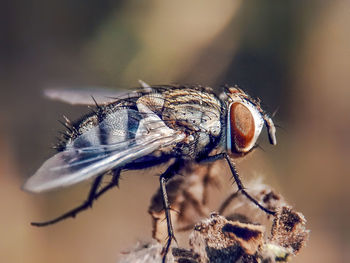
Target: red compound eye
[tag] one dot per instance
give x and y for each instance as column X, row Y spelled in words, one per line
column 242, row 127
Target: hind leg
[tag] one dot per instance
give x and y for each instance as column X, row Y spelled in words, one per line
column 94, row 194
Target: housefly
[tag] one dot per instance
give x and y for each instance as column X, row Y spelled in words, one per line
column 147, row 127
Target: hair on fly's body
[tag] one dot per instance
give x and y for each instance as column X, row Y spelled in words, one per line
column 149, row 127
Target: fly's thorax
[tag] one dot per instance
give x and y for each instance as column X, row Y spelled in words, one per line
column 192, row 110
column 197, row 113
column 153, row 101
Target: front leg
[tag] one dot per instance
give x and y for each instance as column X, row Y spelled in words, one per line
column 241, row 187
column 238, row 181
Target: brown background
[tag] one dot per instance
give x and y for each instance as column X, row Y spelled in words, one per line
column 294, row 55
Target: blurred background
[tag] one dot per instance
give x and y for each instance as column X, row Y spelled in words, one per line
column 294, row 55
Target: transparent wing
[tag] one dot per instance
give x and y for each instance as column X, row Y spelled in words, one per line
column 73, row 166
column 85, row 158
column 84, row 96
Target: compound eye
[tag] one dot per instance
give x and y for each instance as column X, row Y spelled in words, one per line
column 242, row 128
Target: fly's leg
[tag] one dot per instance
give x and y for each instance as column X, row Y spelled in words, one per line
column 168, row 217
column 241, row 188
column 75, row 211
column 170, row 172
column 94, row 194
column 226, row 203
column 111, row 184
column 238, row 181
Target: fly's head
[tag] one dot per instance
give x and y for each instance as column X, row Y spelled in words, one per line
column 245, row 120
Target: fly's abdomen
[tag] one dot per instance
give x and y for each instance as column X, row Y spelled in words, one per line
column 117, row 126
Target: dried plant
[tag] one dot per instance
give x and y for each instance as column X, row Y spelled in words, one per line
column 239, row 232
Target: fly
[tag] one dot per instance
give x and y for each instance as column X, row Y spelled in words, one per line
column 148, row 127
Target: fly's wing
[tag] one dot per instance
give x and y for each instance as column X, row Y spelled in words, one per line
column 88, row 96
column 85, row 96
column 127, row 136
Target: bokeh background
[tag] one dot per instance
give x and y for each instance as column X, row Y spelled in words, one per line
column 294, row 55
